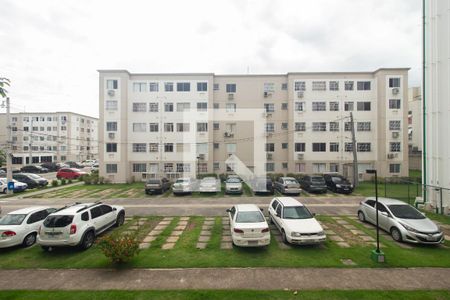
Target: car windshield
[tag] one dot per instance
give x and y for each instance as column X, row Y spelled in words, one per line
column 233, row 180
column 182, row 180
column 337, row 179
column 290, row 181
column 317, row 179
column 250, row 217
column 58, row 221
column 75, row 170
column 405, row 212
column 296, row 212
column 12, row 219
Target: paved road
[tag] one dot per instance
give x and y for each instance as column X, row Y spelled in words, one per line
column 186, row 206
column 227, row 278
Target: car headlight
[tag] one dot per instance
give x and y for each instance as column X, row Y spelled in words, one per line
column 409, row 228
column 338, row 185
column 351, row 185
column 321, row 233
column 296, row 234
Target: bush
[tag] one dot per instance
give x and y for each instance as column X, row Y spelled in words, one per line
column 70, row 181
column 63, row 181
column 54, row 182
column 119, row 248
column 101, row 180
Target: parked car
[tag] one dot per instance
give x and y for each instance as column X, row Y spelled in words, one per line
column 2, row 172
column 233, row 185
column 401, row 220
column 51, row 166
column 20, row 227
column 209, row 185
column 69, row 173
column 157, row 185
column 287, row 185
column 88, row 163
column 32, row 180
column 295, row 222
column 14, row 170
column 338, row 183
column 313, row 184
column 33, row 169
column 79, row 224
column 18, row 186
column 95, row 167
column 184, row 185
column 248, row 226
column 62, row 165
column 262, row 185
column 73, row 164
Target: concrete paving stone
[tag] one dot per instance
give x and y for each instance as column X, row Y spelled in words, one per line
column 330, row 232
column 149, row 239
column 176, row 233
column 324, row 226
column 201, row 245
column 143, row 219
column 343, row 244
column 168, row 246
column 144, row 245
column 353, row 217
column 226, row 233
column 208, row 223
column 226, row 245
column 168, row 219
column 204, row 238
column 368, row 226
column 182, row 223
column 184, row 219
column 447, row 237
column 160, row 227
column 206, row 227
column 349, row 227
column 155, row 232
column 141, row 223
column 357, row 232
column 209, row 219
column 226, row 227
column 133, row 227
column 226, row 238
column 205, row 233
column 367, row 238
column 164, row 223
column 336, row 238
column 226, row 221
column 336, row 218
column 172, row 239
column 128, row 218
column 342, row 222
column 348, row 262
column 180, row 227
column 128, row 232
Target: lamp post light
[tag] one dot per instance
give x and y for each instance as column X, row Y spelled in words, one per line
column 377, row 255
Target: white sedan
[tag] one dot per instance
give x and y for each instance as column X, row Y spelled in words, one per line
column 248, row 226
column 20, row 227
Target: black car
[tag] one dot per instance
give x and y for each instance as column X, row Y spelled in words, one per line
column 313, row 184
column 263, row 185
column 51, row 166
column 73, row 164
column 14, row 170
column 338, row 183
column 34, row 169
column 32, row 180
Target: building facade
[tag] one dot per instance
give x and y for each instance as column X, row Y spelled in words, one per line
column 50, row 137
column 415, row 119
column 306, row 125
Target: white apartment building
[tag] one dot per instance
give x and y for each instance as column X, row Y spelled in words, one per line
column 307, row 127
column 50, row 137
column 415, row 119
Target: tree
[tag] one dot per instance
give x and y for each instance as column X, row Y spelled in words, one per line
column 2, row 157
column 4, row 82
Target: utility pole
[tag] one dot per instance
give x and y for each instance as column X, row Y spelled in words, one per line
column 30, row 160
column 9, row 147
column 355, row 157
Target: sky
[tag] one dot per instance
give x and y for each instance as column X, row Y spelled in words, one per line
column 51, row 49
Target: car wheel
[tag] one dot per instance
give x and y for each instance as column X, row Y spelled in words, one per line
column 120, row 220
column 361, row 216
column 283, row 236
column 88, row 240
column 396, row 235
column 4, row 191
column 29, row 240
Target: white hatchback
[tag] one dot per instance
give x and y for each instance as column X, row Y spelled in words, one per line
column 295, row 222
column 248, row 226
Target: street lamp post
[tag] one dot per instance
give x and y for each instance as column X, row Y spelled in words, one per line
column 377, row 255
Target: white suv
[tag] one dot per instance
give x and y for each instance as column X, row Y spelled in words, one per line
column 79, row 224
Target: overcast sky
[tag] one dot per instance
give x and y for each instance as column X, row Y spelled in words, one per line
column 51, row 49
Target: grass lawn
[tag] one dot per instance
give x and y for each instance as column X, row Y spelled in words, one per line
column 224, row 294
column 185, row 254
column 415, row 173
column 399, row 191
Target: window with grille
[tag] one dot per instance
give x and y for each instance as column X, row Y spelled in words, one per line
column 319, row 147
column 153, row 107
column 154, row 87
column 168, row 107
column 269, row 107
column 300, row 126
column 349, row 85
column 334, row 85
column 168, row 147
column 153, row 147
column 154, row 127
column 334, row 147
column 395, row 146
column 300, row 86
column 319, row 106
column 299, row 106
column 363, row 126
column 334, row 106
column 334, row 126
column 319, row 85
column 139, row 147
column 348, row 126
column 183, row 167
column 394, row 125
column 168, row 127
column 363, row 147
column 168, row 167
column 348, row 147
column 138, row 168
column 202, row 127
column 139, row 107
column 319, row 126
column 270, row 127
column 300, row 147
column 270, row 147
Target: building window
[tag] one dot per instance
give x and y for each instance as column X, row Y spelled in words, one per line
column 363, row 85
column 334, row 147
column 139, row 147
column 319, row 167
column 334, row 85
column 270, row 167
column 139, row 127
column 334, row 126
column 139, row 168
column 153, row 147
column 202, row 106
column 300, row 86
column 168, row 107
column 334, row 167
column 168, row 167
column 111, row 84
column 269, row 107
column 231, row 88
column 284, row 165
column 216, row 126
column 110, row 147
column 284, row 126
column 139, row 107
column 300, row 126
column 319, row 126
column 300, row 167
column 334, row 106
column 394, row 103
column 154, row 127
column 168, row 147
column 270, row 147
column 216, row 166
column 363, row 147
column 270, row 127
column 319, row 147
column 168, row 86
column 348, row 106
column 110, row 168
column 231, row 148
column 139, row 87
column 394, row 125
column 363, row 106
column 111, row 126
column 348, row 85
column 394, row 168
column 230, row 107
column 284, row 106
column 153, row 107
column 182, row 127
column 202, row 127
column 284, row 145
column 269, row 87
column 216, row 146
column 168, row 127
column 154, row 87
column 299, row 106
column 348, row 126
column 319, row 85
column 284, row 86
column 395, row 146
column 183, row 106
column 348, row 147
column 300, row 147
column 111, row 105
column 202, row 86
column 363, row 126
column 202, row 167
column 319, row 106
column 394, row 82
column 182, row 167
column 183, row 86
column 216, row 86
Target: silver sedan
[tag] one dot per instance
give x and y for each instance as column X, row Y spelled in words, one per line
column 401, row 220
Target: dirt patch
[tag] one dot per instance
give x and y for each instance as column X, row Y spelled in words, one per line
column 345, row 234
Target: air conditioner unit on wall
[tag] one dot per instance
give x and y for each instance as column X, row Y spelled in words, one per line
column 111, row 135
column 391, row 156
column 267, row 94
column 300, row 94
column 395, row 91
column 228, row 134
column 269, row 156
column 111, row 93
column 230, row 96
column 201, row 156
column 395, row 134
column 300, row 156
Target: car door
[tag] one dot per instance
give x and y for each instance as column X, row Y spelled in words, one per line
column 383, row 220
column 278, row 219
column 108, row 216
column 36, row 219
column 96, row 216
column 369, row 210
column 273, row 208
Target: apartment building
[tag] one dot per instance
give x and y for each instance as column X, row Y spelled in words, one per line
column 306, row 123
column 415, row 119
column 50, row 137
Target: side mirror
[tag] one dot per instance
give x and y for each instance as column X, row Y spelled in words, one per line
column 228, row 210
column 114, row 208
column 262, row 209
